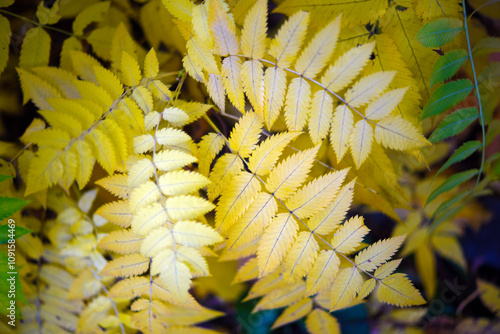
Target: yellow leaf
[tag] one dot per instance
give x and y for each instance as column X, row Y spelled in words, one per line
column 386, row 269
column 266, row 154
column 449, row 247
column 133, row 113
column 317, row 53
column 194, row 260
column 141, row 171
column 44, row 171
column 181, row 182
column 83, row 65
column 36, row 89
column 323, row 272
column 187, row 207
column 193, row 69
column 256, row 217
column 50, row 138
column 62, row 120
column 342, row 127
column 385, row 104
column 276, row 242
column 361, row 141
column 231, row 79
column 5, row 33
column 103, row 149
column 174, row 274
column 181, row 9
column 216, row 91
column 298, row 99
column 247, row 272
column 316, row 195
column 235, row 199
column 176, row 116
column 157, row 240
column 321, row 113
column 489, row 295
column 201, row 55
column 347, row 283
column 349, row 235
column 98, row 95
column 396, row 133
column 130, row 70
column 274, row 94
column 172, row 159
column 321, row 322
column 60, row 79
column 367, row 288
column 201, row 25
column 267, row 284
column 294, row 312
column 289, row 174
column 347, row 67
column 147, row 218
column 78, row 111
column 127, row 265
column 142, row 96
column 285, row 46
column 378, row 253
column 122, row 242
column 224, row 171
column 223, row 30
column 282, row 296
column 253, row 36
column 117, row 212
column 426, row 267
column 130, row 288
column 108, row 81
column 194, row 234
column 245, row 135
column 210, row 145
column 398, row 290
column 160, row 90
column 328, row 219
column 93, row 13
column 111, row 129
column 35, row 50
column 368, row 88
column 301, row 256
column 116, row 184
column 252, row 77
column 151, row 65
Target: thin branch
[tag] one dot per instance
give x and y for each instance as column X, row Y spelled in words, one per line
column 476, row 86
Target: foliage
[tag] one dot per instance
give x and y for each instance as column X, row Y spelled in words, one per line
column 221, row 137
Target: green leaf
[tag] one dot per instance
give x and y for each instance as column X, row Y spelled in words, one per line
column 461, row 153
column 18, row 232
column 5, row 287
column 9, row 206
column 449, row 203
column 447, row 96
column 450, row 183
column 454, row 123
column 4, row 177
column 448, row 65
column 447, row 215
column 439, row 32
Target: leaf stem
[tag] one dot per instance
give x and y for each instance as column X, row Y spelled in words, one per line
column 483, row 144
column 38, row 24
